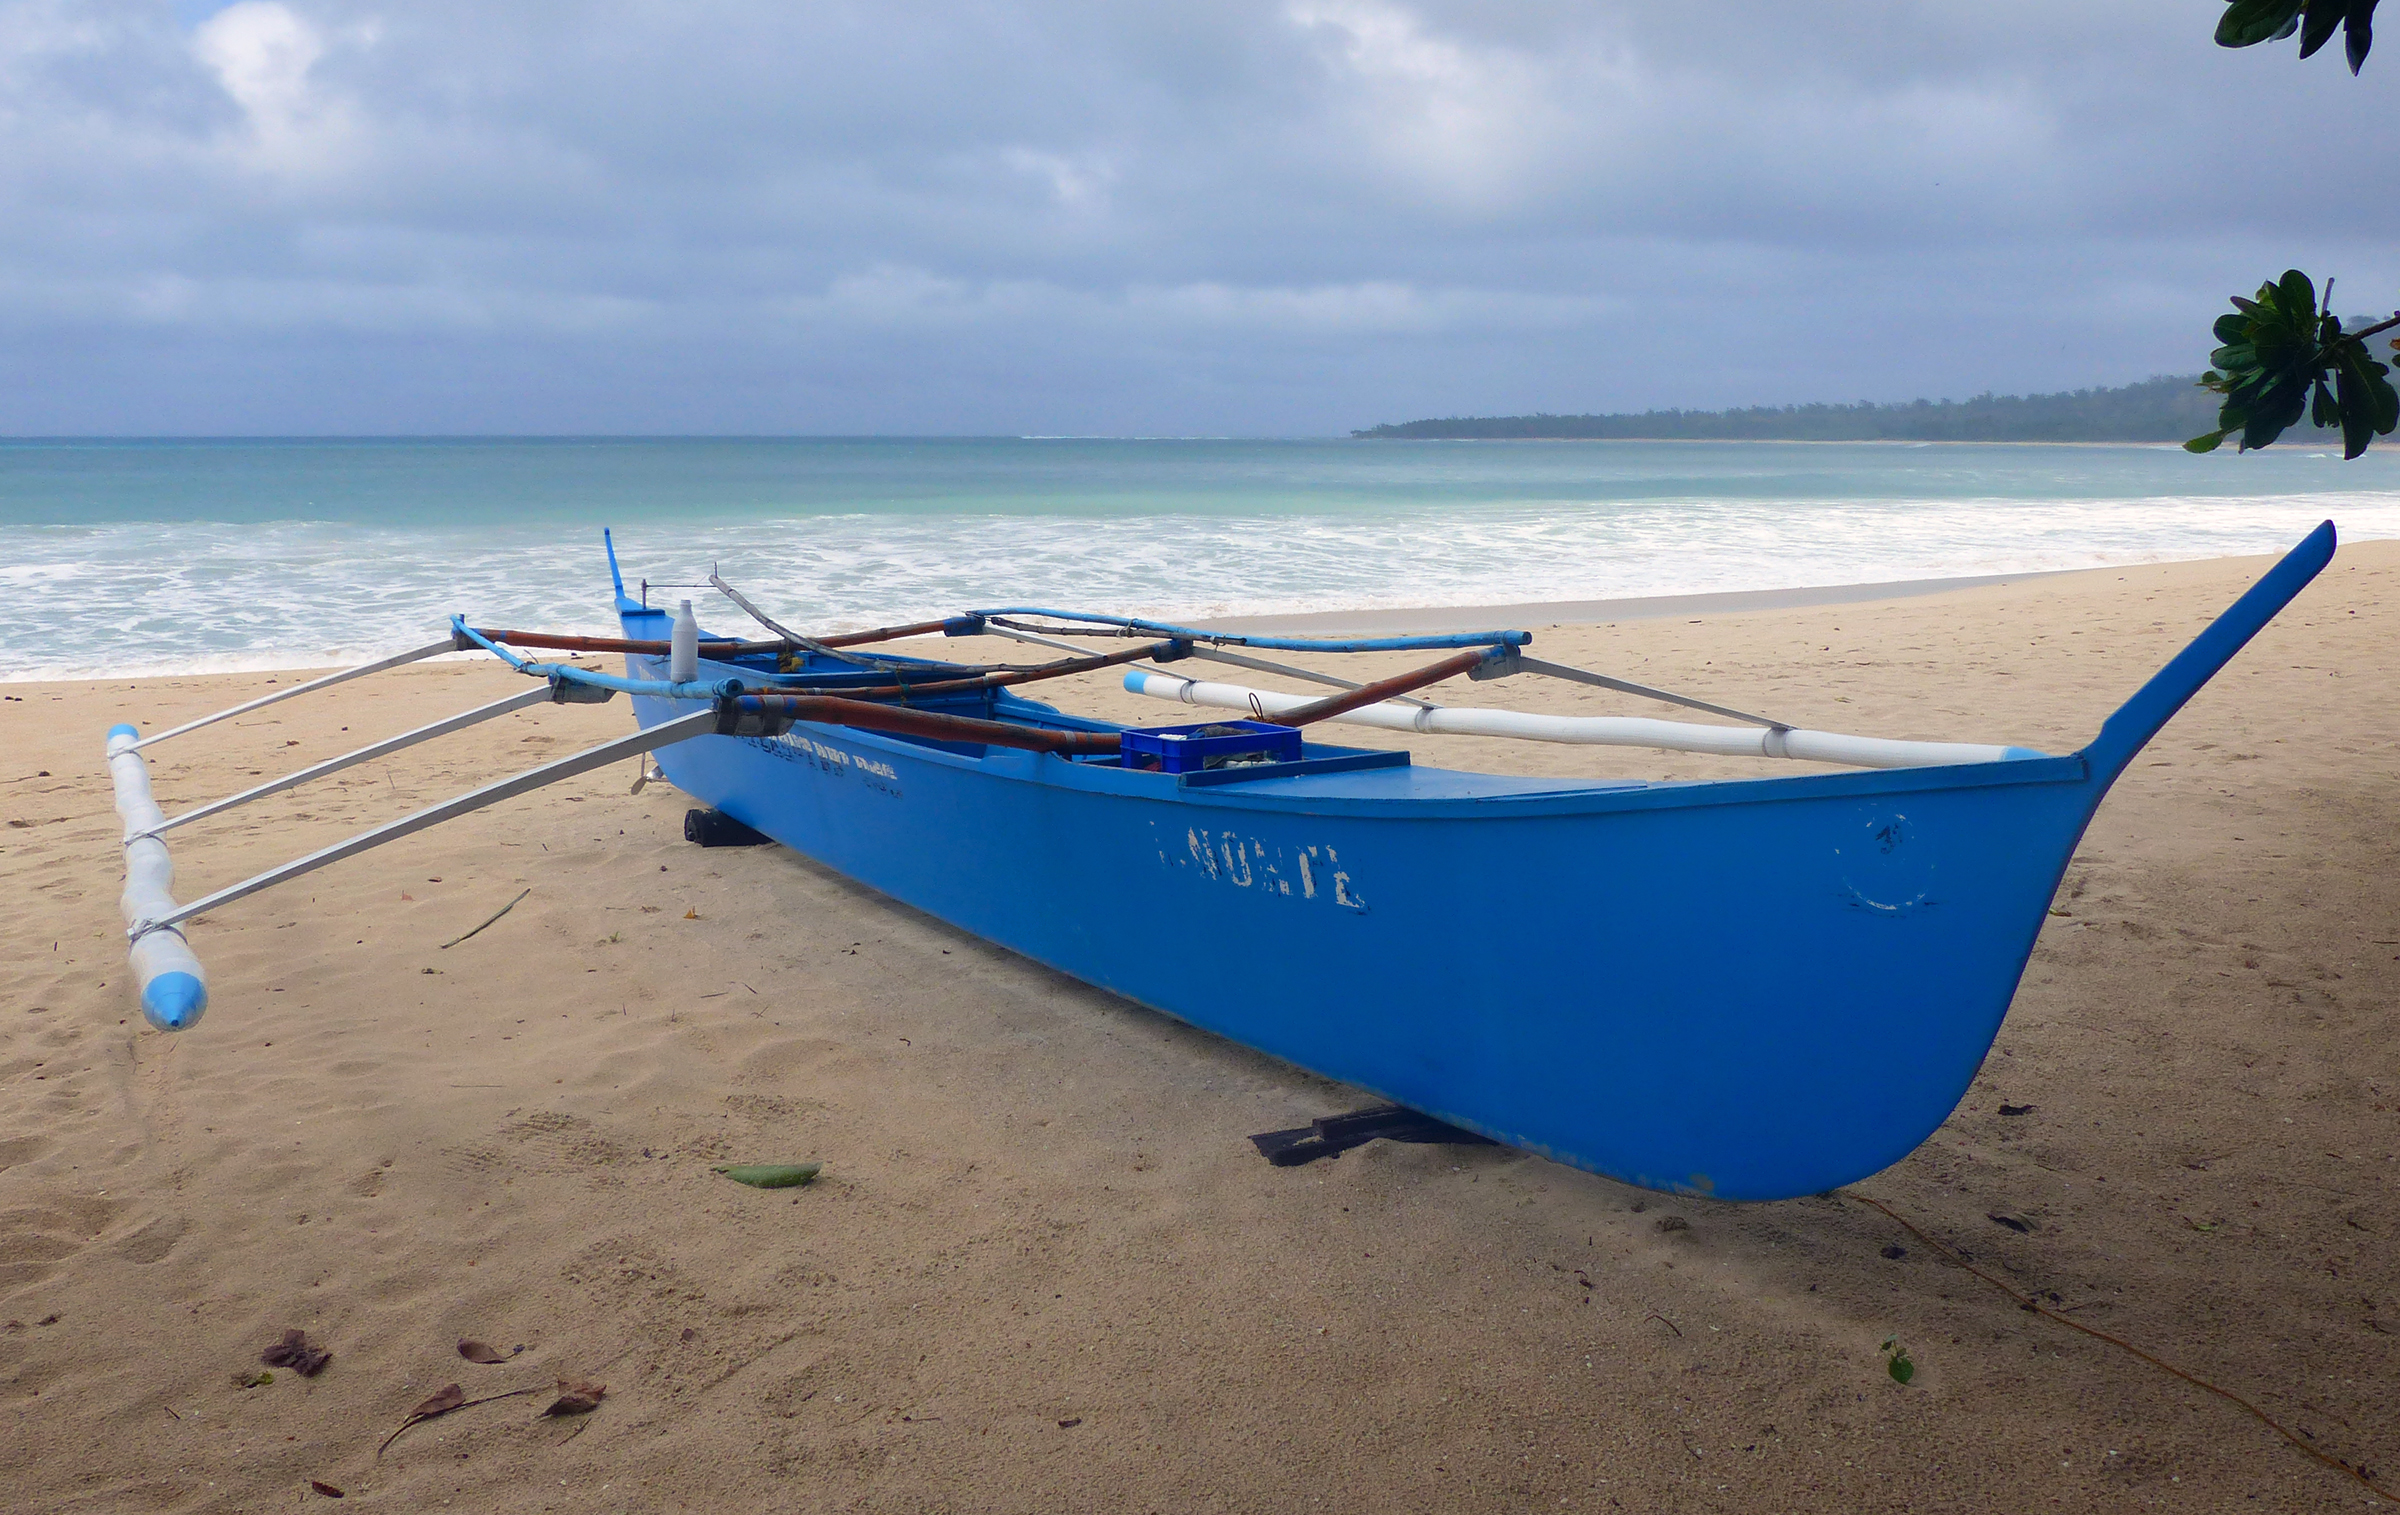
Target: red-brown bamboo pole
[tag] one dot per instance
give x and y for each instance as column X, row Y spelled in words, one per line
column 832, row 710
column 883, row 634
column 1381, row 690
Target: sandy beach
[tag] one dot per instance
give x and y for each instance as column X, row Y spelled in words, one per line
column 1045, row 1270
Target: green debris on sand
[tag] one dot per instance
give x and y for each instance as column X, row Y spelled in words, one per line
column 773, row 1175
column 1898, row 1363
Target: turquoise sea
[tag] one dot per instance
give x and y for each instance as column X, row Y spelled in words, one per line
column 149, row 556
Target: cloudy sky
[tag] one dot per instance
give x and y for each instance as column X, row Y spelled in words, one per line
column 1261, row 217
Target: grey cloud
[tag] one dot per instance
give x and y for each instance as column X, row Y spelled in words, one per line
column 321, row 215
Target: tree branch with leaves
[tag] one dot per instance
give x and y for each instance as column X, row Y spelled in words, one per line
column 2246, row 23
column 2280, row 355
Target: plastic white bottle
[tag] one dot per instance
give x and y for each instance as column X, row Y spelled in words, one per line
column 683, row 648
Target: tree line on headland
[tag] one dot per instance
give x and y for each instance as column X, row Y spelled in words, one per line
column 2166, row 409
column 2284, row 362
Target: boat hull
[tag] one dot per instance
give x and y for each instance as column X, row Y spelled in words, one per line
column 1747, row 996
column 1752, row 989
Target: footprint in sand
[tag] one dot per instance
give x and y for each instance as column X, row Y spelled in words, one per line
column 36, row 1238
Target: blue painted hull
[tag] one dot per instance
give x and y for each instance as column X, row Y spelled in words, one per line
column 1751, row 989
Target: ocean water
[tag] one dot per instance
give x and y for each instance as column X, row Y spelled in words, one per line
column 140, row 557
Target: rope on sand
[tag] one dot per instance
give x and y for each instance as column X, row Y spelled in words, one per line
column 2364, row 1475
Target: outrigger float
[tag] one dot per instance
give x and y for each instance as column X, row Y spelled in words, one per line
column 1750, row 989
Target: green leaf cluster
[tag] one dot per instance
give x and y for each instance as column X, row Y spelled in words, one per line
column 2282, row 357
column 2249, row 22
column 1896, row 1360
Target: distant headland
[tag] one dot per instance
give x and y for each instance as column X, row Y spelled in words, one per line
column 2163, row 409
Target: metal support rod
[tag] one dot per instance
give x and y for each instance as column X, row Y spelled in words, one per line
column 795, row 638
column 1521, row 663
column 1001, row 678
column 994, row 628
column 1065, row 631
column 753, row 611
column 698, row 723
column 1211, row 654
column 446, row 644
column 1598, row 730
column 1274, row 644
column 539, row 695
column 716, row 647
column 1261, row 665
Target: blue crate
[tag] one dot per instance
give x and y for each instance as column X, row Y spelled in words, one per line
column 1182, row 749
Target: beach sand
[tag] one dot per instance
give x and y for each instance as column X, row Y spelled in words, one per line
column 1045, row 1270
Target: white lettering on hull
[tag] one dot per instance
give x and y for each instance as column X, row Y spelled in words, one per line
column 1245, row 862
column 827, row 758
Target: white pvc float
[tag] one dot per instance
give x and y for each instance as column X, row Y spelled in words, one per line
column 1594, row 730
column 168, row 915
column 169, row 978
column 167, row 974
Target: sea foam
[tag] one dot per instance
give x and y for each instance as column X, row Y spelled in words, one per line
column 1184, row 530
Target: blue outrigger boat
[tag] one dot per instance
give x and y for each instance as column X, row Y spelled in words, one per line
column 1750, row 989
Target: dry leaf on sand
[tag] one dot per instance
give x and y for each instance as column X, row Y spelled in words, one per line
column 773, row 1175
column 442, row 1401
column 480, row 1351
column 295, row 1353
column 577, row 1396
